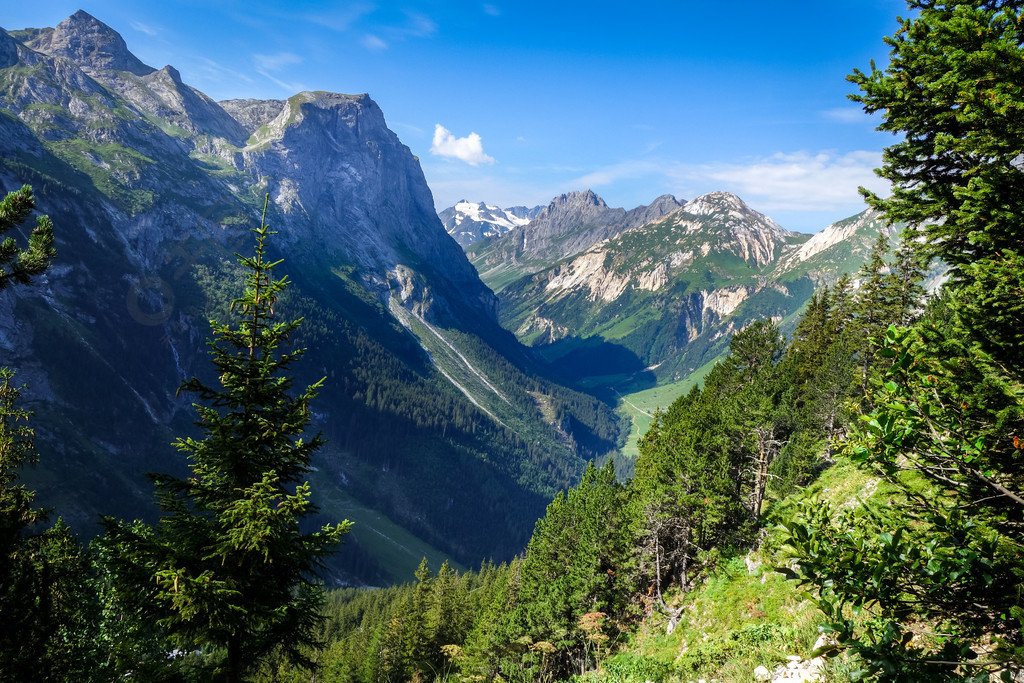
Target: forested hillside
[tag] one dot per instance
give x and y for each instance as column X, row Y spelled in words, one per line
column 927, row 398
column 444, row 436
column 851, row 494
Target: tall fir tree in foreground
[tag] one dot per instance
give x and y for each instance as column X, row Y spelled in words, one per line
column 228, row 568
column 941, row 570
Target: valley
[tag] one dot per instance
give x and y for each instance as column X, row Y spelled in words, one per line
column 269, row 412
column 155, row 185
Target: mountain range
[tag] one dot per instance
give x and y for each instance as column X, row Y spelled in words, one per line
column 463, row 387
column 629, row 299
column 446, row 437
column 468, row 223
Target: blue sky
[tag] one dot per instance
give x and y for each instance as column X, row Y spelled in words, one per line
column 516, row 102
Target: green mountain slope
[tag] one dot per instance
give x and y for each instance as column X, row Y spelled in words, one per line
column 654, row 303
column 445, row 436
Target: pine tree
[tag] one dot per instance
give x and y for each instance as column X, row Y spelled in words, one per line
column 874, row 305
column 23, row 264
column 953, row 90
column 228, row 567
column 418, row 632
column 906, row 274
column 47, row 607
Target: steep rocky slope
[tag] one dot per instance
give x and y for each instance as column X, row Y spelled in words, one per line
column 655, row 302
column 439, row 423
column 568, row 225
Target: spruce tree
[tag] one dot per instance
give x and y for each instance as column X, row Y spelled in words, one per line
column 229, row 567
column 45, row 599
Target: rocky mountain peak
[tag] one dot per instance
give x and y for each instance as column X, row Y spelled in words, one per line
column 715, row 202
column 576, row 199
column 172, row 73
column 468, row 222
column 662, row 206
column 91, row 44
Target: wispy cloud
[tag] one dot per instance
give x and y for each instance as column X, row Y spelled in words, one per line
column 491, row 10
column 797, row 181
column 624, row 170
column 416, row 26
column 850, row 114
column 374, row 43
column 801, row 181
column 414, row 130
column 469, row 149
column 290, row 88
column 341, row 20
column 276, row 62
column 218, row 72
column 142, row 28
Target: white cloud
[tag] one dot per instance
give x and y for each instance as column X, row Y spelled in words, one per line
column 469, row 149
column 801, row 181
column 417, row 26
column 491, row 10
column 276, row 62
column 142, row 28
column 374, row 43
column 219, row 73
column 625, row 170
column 414, row 130
column 798, row 182
column 290, row 88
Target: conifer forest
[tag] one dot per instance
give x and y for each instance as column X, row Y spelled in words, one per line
column 846, row 486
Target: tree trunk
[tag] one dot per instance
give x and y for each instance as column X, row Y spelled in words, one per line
column 233, row 671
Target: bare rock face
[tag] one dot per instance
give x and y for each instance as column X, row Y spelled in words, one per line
column 348, row 187
column 152, row 187
column 90, row 43
column 8, row 50
column 251, row 114
column 570, row 224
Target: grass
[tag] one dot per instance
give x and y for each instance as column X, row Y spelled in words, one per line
column 80, row 154
column 638, row 407
column 745, row 614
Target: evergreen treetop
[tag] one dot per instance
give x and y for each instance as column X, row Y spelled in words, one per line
column 231, row 570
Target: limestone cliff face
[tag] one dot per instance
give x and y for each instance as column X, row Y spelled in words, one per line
column 697, row 272
column 346, row 187
column 152, row 187
column 570, row 224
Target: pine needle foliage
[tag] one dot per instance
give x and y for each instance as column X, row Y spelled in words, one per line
column 18, row 266
column 232, row 572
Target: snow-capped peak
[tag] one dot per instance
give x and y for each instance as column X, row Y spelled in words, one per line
column 468, row 222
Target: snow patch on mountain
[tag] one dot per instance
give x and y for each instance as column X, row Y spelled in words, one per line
column 469, row 222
